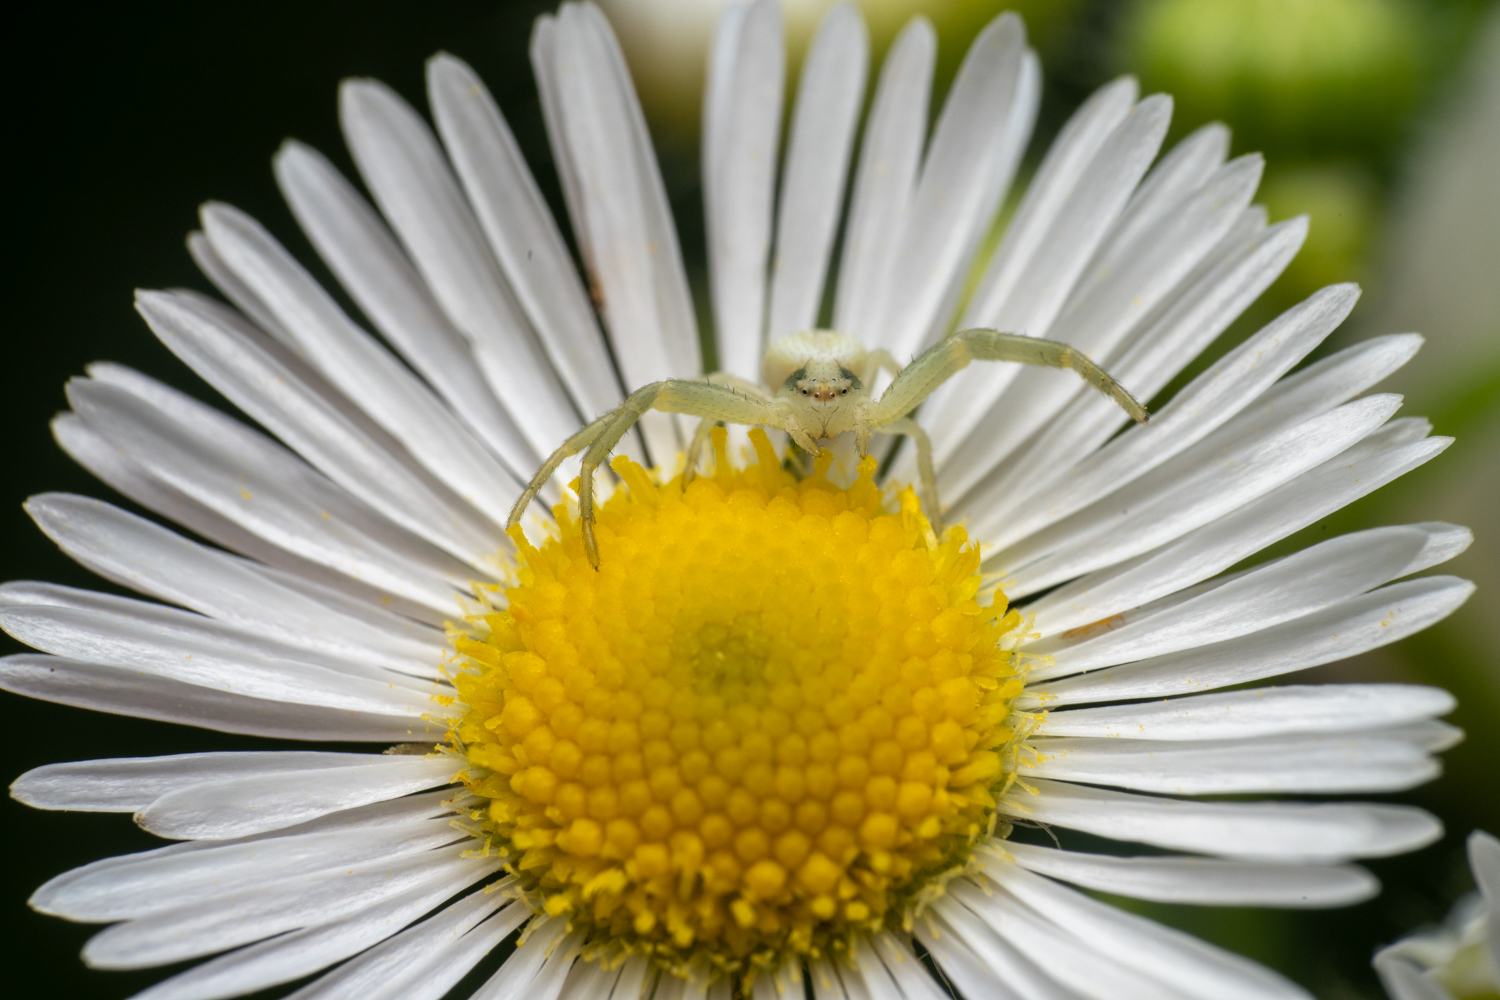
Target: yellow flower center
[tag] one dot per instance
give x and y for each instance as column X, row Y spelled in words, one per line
column 774, row 715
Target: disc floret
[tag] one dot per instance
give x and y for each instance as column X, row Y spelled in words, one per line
column 774, row 716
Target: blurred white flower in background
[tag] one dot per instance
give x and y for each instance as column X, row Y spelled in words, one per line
column 666, row 41
column 1459, row 960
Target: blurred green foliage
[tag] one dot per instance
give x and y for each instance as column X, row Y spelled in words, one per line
column 1305, row 78
column 1329, row 90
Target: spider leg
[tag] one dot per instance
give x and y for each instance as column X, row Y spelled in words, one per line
column 700, row 436
column 946, row 358
column 913, row 430
column 695, row 449
column 879, row 358
column 571, row 446
column 695, row 398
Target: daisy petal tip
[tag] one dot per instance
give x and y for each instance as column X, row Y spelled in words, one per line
column 1484, row 858
column 292, row 154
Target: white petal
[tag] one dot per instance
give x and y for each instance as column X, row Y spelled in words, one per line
column 1268, row 830
column 865, row 975
column 101, row 883
column 1247, row 260
column 590, row 979
column 104, row 460
column 619, row 205
column 1310, row 392
column 1080, row 186
column 156, row 884
column 741, row 130
column 1220, row 544
column 1191, row 965
column 23, row 594
column 899, row 966
column 1273, row 592
column 1072, row 960
column 521, row 231
column 632, row 981
column 1272, row 711
column 889, row 157
column 1047, row 198
column 1196, row 487
column 358, row 456
column 123, row 691
column 973, row 976
column 189, row 412
column 1197, row 881
column 1432, row 735
column 235, row 290
column 822, row 977
column 774, row 984
column 360, row 250
column 1118, row 291
column 1132, row 273
column 536, row 969
column 669, row 987
column 369, row 375
column 1317, row 388
column 830, row 94
column 915, row 981
column 1149, row 250
column 292, row 956
column 1444, row 542
column 127, row 784
column 1205, row 404
column 136, row 553
column 976, row 146
column 247, row 478
column 376, row 818
column 404, row 168
column 851, row 985
column 1365, row 622
column 183, row 646
column 1341, row 763
column 1041, row 282
column 1181, row 172
column 1249, row 257
column 235, row 807
column 426, row 959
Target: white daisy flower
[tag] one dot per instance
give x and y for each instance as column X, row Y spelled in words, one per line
column 786, row 730
column 1460, row 960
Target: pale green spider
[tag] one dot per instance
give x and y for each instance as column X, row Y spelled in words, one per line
column 822, row 390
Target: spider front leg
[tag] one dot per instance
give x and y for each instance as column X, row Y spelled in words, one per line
column 695, row 449
column 570, row 447
column 948, row 357
column 707, row 424
column 694, row 398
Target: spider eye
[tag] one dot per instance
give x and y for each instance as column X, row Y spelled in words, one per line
column 843, row 392
column 804, row 392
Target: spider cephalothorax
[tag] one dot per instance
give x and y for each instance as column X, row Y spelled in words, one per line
column 816, row 387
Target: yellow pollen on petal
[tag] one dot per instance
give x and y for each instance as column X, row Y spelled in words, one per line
column 774, row 716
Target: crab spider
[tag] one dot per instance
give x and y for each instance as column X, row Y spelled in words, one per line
column 817, row 386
